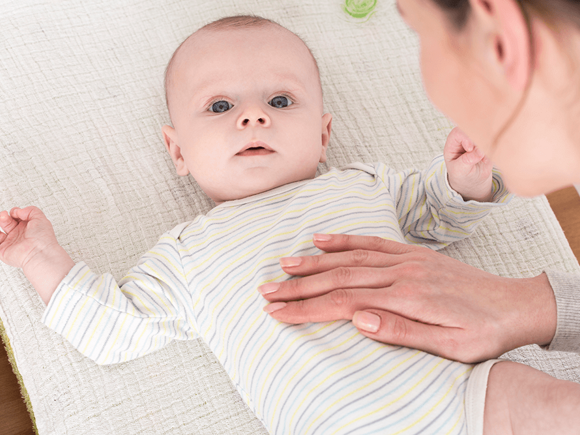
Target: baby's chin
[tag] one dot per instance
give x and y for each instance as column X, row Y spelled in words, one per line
column 251, row 186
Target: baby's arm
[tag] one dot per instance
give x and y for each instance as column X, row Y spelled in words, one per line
column 445, row 203
column 30, row 243
column 106, row 321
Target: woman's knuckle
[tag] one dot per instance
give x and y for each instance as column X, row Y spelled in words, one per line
column 342, row 276
column 377, row 242
column 314, row 260
column 291, row 287
column 359, row 257
column 399, row 329
column 341, row 297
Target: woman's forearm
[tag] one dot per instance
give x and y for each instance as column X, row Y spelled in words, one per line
column 523, row 400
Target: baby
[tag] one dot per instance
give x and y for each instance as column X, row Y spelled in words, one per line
column 245, row 101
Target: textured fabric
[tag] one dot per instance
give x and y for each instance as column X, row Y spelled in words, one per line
column 566, row 288
column 81, row 110
column 201, row 279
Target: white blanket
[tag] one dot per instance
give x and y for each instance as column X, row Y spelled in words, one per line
column 81, row 110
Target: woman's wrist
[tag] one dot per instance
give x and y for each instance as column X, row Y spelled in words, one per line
column 536, row 309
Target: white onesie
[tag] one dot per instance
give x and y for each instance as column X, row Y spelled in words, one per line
column 200, row 280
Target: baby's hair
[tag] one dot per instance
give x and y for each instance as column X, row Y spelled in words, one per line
column 231, row 22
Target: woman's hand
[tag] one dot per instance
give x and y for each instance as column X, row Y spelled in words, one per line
column 413, row 296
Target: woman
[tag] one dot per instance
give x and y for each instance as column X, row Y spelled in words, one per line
column 507, row 73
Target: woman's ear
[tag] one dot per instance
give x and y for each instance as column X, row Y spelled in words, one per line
column 170, row 139
column 326, row 129
column 506, row 39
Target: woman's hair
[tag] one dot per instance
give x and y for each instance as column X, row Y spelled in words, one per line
column 549, row 10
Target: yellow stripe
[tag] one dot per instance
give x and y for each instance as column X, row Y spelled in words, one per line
column 168, row 261
column 161, row 296
column 393, row 401
column 435, row 406
column 323, row 413
column 336, row 372
column 259, row 352
column 62, row 297
column 79, row 311
column 412, row 195
column 264, row 243
column 301, row 370
column 101, row 318
column 277, row 220
column 286, row 351
column 112, row 345
column 259, row 204
column 141, row 336
column 457, row 421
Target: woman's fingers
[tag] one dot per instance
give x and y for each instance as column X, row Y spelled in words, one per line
column 338, row 304
column 308, row 265
column 391, row 328
column 383, row 326
column 345, row 242
column 325, row 282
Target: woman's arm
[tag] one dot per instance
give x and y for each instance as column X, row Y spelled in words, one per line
column 523, row 400
column 415, row 297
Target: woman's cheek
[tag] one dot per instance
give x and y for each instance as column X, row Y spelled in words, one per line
column 434, row 74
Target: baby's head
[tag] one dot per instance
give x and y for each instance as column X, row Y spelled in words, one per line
column 245, row 101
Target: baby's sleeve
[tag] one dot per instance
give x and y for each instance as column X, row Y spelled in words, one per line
column 112, row 322
column 429, row 211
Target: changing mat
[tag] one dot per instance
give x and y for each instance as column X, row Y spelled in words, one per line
column 81, row 110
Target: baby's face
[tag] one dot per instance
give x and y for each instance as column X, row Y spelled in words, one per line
column 247, row 112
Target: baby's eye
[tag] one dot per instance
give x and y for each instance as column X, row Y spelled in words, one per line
column 220, row 106
column 280, row 102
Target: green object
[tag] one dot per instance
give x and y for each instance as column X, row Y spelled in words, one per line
column 360, row 8
column 10, row 352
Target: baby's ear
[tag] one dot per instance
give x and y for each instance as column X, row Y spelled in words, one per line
column 326, row 129
column 170, row 139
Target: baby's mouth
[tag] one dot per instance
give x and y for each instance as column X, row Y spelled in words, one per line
column 255, row 149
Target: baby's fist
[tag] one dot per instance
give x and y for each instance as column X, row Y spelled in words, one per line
column 27, row 232
column 468, row 169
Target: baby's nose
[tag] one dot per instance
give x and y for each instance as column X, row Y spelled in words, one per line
column 252, row 117
column 246, row 121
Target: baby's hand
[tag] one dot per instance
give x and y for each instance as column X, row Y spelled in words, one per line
column 30, row 243
column 28, row 233
column 469, row 171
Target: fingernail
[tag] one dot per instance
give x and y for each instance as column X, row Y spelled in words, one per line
column 367, row 321
column 290, row 261
column 274, row 307
column 269, row 288
column 322, row 237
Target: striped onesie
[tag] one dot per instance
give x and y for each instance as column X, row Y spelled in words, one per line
column 200, row 280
